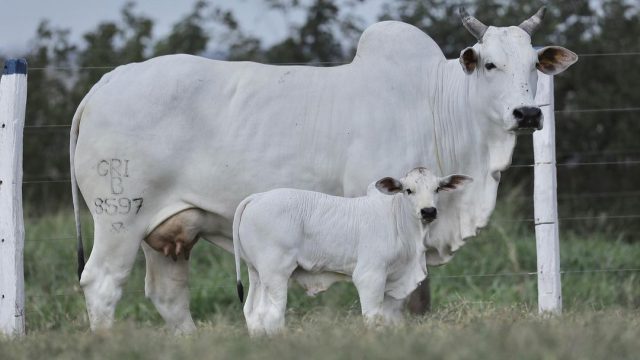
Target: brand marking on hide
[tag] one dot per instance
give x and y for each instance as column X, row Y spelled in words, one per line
column 117, row 206
column 116, row 170
column 117, row 226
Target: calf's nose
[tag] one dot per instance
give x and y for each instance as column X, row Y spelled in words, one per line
column 429, row 213
column 528, row 117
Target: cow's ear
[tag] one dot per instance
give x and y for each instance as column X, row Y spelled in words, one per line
column 553, row 60
column 453, row 182
column 389, row 186
column 469, row 60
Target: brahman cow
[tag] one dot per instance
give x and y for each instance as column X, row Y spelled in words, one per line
column 164, row 150
column 377, row 241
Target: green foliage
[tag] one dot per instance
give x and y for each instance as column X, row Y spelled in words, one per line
column 328, row 32
column 473, row 317
column 55, row 301
column 475, row 311
column 188, row 36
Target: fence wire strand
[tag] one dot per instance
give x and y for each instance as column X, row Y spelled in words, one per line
column 431, row 277
column 567, row 164
column 565, row 111
column 107, row 67
column 78, row 292
column 530, row 220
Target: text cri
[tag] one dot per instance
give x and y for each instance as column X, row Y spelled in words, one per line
column 116, row 170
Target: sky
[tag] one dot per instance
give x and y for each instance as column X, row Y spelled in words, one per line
column 19, row 19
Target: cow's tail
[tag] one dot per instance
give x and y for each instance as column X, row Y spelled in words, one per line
column 236, row 246
column 75, row 124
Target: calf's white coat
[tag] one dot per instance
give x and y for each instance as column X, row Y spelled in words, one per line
column 377, row 240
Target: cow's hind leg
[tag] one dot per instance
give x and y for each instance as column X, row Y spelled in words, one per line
column 167, row 285
column 112, row 257
column 166, row 250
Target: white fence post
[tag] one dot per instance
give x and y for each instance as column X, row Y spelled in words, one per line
column 546, row 203
column 13, row 99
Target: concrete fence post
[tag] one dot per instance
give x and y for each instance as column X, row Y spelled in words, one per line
column 13, row 100
column 546, row 203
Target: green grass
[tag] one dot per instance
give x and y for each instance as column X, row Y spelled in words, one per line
column 454, row 331
column 472, row 317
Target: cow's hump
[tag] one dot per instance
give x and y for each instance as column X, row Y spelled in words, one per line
column 396, row 41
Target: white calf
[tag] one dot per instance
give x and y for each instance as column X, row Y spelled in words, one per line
column 376, row 240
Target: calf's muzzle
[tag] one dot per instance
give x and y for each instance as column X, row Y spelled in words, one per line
column 428, row 214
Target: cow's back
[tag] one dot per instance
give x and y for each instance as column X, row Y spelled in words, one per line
column 181, row 131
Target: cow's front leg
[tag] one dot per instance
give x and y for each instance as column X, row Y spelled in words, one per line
column 370, row 283
column 167, row 285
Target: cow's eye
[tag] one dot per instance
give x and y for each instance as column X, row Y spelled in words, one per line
column 489, row 66
column 409, row 192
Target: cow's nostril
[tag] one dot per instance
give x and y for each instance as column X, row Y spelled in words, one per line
column 518, row 114
column 536, row 112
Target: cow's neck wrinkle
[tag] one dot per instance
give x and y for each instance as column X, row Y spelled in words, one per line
column 454, row 123
column 462, row 144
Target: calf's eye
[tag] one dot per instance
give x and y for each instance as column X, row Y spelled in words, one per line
column 489, row 66
column 409, row 192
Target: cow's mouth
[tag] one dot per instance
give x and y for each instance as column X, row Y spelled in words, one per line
column 426, row 222
column 524, row 131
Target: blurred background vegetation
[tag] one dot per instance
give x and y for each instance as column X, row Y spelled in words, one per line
column 61, row 73
column 601, row 200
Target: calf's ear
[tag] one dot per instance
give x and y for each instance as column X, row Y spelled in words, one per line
column 389, row 186
column 453, row 182
column 468, row 60
column 553, row 60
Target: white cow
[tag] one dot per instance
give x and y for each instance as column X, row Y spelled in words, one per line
column 163, row 151
column 377, row 241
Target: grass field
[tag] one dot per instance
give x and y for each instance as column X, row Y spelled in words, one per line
column 473, row 316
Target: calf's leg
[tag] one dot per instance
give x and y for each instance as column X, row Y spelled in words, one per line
column 392, row 310
column 252, row 301
column 370, row 284
column 272, row 303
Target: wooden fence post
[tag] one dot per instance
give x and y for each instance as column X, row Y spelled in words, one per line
column 546, row 203
column 13, row 99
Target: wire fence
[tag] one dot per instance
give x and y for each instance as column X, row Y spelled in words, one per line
column 566, row 164
column 232, row 281
column 311, row 63
column 525, row 220
column 567, row 111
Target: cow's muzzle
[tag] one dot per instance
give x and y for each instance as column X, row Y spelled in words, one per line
column 528, row 118
column 427, row 215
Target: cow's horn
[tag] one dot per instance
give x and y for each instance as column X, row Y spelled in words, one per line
column 531, row 24
column 475, row 27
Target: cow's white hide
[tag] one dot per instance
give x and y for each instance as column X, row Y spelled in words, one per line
column 179, row 132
